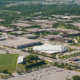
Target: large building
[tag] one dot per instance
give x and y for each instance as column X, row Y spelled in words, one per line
column 20, row 42
column 50, row 49
column 57, row 38
column 19, row 25
column 35, row 30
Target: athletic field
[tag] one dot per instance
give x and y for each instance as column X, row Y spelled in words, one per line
column 8, row 61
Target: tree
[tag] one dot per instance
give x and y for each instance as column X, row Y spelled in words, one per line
column 76, row 77
column 28, row 60
column 19, row 72
column 10, row 73
column 55, row 63
column 62, row 64
column 36, row 58
column 2, row 76
column 69, row 68
column 5, row 71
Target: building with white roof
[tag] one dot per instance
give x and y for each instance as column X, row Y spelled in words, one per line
column 20, row 59
column 50, row 49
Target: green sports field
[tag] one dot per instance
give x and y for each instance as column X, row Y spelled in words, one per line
column 8, row 61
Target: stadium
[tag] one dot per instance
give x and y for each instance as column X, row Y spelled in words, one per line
column 50, row 49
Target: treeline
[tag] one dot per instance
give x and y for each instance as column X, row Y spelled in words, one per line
column 4, row 3
column 23, row 0
column 35, row 64
column 47, row 10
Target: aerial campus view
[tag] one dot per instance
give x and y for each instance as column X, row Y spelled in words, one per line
column 39, row 39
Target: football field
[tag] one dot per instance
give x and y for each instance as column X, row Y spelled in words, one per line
column 8, row 61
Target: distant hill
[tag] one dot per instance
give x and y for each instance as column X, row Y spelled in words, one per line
column 46, row 0
column 37, row 0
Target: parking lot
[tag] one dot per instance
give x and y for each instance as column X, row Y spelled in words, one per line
column 51, row 73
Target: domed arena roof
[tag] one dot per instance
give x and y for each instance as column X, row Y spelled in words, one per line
column 50, row 49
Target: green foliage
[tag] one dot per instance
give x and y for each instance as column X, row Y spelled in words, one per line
column 55, row 63
column 76, row 77
column 69, row 68
column 13, row 33
column 19, row 72
column 36, row 26
column 69, row 56
column 60, row 66
column 55, row 25
column 35, row 64
column 54, row 55
column 31, row 57
column 4, row 3
column 70, row 49
column 28, row 60
column 47, row 10
column 4, row 71
column 63, row 25
column 8, row 61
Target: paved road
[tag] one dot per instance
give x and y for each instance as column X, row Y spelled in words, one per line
column 45, row 58
column 26, row 53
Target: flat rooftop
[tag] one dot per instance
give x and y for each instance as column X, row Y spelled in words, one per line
column 20, row 41
column 35, row 30
column 29, row 35
column 51, row 36
column 45, row 21
column 3, row 28
column 18, row 32
column 21, row 24
column 76, row 24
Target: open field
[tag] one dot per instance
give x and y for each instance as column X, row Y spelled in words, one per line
column 8, row 61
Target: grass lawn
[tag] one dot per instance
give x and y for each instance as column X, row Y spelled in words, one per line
column 61, row 26
column 8, row 61
column 76, row 44
column 70, row 49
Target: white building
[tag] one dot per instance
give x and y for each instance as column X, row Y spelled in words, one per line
column 50, row 49
column 20, row 59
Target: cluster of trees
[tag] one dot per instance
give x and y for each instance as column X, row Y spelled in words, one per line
column 55, row 25
column 61, row 65
column 34, row 26
column 47, row 10
column 35, row 64
column 7, row 74
column 54, row 55
column 21, row 0
column 69, row 56
column 15, row 33
column 67, row 26
column 75, row 77
column 30, row 61
column 70, row 49
column 30, row 10
column 45, row 33
column 67, row 66
column 31, row 57
column 4, row 3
